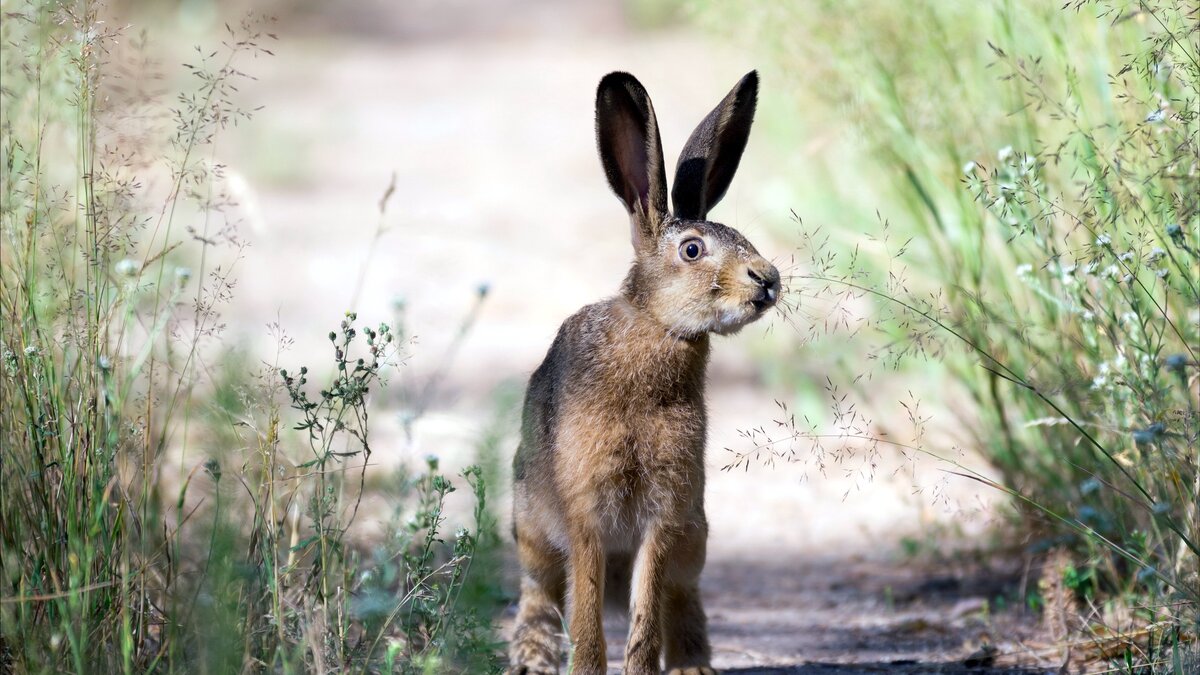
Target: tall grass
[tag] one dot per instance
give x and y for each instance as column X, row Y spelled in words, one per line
column 166, row 505
column 1036, row 169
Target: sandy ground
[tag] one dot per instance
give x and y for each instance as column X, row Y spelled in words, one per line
column 487, row 126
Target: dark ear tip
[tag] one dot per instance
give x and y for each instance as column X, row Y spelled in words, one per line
column 618, row 80
column 617, row 76
column 749, row 81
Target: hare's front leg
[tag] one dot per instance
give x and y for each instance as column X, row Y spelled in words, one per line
column 665, row 603
column 685, row 628
column 645, row 602
column 586, row 619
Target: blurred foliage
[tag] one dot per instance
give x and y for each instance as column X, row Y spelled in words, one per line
column 166, row 504
column 1034, row 168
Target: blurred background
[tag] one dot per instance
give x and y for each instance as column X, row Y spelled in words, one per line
column 970, row 433
column 481, row 117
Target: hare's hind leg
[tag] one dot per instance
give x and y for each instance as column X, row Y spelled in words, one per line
column 536, row 644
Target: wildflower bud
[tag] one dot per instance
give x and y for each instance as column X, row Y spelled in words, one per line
column 1176, row 363
column 332, row 336
column 1174, row 231
column 182, row 276
column 213, row 468
column 483, row 290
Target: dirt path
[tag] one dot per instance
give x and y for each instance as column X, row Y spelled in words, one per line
column 488, row 128
column 851, row 614
column 846, row 614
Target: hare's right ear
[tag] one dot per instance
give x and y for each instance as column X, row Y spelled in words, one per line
column 711, row 155
column 630, row 149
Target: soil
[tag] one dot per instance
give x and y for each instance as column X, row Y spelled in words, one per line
column 852, row 614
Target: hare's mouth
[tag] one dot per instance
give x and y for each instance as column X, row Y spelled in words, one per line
column 765, row 300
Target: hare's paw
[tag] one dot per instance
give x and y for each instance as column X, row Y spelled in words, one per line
column 536, row 647
column 530, row 660
column 529, row 657
column 525, row 669
column 692, row 670
column 533, row 656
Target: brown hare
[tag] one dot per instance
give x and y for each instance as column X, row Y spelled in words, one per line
column 610, row 468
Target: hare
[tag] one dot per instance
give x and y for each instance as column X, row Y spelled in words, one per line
column 610, row 467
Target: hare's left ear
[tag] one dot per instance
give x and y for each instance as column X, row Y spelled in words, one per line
column 710, row 157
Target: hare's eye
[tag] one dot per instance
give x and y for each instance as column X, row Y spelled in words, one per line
column 691, row 249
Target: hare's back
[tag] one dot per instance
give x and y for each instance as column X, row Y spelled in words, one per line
column 549, row 384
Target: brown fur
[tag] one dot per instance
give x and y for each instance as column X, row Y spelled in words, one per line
column 611, row 461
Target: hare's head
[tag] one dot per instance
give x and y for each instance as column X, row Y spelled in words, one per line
column 693, row 275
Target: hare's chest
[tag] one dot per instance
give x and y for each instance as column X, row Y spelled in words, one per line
column 634, row 493
column 630, row 465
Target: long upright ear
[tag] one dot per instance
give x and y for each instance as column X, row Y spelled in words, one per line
column 710, row 157
column 630, row 149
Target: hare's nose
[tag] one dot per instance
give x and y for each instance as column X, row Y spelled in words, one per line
column 767, row 279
